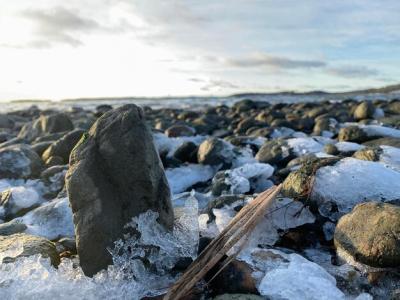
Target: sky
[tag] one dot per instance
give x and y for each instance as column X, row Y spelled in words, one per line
column 52, row 49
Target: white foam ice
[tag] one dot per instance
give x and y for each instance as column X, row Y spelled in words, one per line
column 352, row 181
column 182, row 178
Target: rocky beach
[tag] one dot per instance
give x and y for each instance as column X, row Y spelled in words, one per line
column 115, row 201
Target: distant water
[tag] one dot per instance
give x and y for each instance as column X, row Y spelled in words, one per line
column 193, row 103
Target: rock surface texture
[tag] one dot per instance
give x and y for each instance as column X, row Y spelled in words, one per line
column 371, row 234
column 115, row 174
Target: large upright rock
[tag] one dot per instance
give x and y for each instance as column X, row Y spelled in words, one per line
column 115, row 174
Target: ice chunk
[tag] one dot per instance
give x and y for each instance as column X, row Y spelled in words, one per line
column 52, row 220
column 352, row 181
column 306, row 145
column 348, row 146
column 22, row 198
column 299, row 279
column 168, row 145
column 253, row 175
column 182, row 178
column 35, row 278
column 391, row 157
column 24, row 194
column 242, row 156
column 377, row 130
column 282, row 132
column 283, row 214
column 179, row 200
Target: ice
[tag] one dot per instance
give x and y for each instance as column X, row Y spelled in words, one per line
column 35, row 278
column 179, row 200
column 253, row 175
column 391, row 157
column 299, row 279
column 352, row 181
column 25, row 194
column 283, row 214
column 15, row 161
column 182, row 178
column 51, row 220
column 22, row 197
column 168, row 145
column 282, row 132
column 242, row 156
column 348, row 146
column 377, row 130
column 129, row 278
column 306, row 145
column 378, row 113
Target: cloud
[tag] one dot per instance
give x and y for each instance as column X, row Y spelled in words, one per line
column 277, row 62
column 58, row 25
column 352, row 71
column 218, row 85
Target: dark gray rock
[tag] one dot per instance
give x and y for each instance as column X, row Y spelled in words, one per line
column 6, row 121
column 274, row 152
column 63, row 146
column 40, row 147
column 331, row 149
column 53, row 123
column 12, row 227
column 115, row 174
column 179, row 130
column 187, row 152
column 214, row 151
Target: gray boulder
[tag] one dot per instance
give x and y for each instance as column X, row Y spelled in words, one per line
column 371, row 234
column 63, row 147
column 365, row 110
column 179, row 130
column 6, row 121
column 19, row 161
column 214, row 151
column 115, row 174
column 53, row 123
column 274, row 152
column 352, row 134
